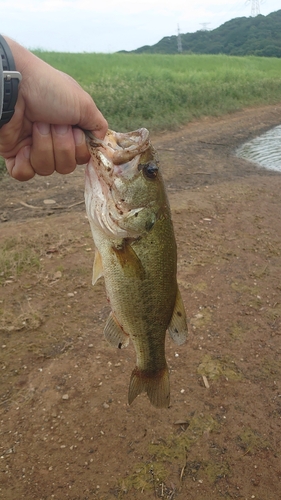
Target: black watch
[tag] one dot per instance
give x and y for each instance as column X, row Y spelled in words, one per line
column 11, row 79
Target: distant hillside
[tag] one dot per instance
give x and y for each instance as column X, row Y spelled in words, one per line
column 259, row 36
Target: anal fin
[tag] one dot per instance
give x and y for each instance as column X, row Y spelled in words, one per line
column 114, row 333
column 155, row 384
column 178, row 326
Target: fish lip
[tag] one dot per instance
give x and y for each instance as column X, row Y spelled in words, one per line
column 117, row 147
column 137, row 137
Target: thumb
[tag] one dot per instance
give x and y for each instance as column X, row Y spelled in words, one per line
column 92, row 119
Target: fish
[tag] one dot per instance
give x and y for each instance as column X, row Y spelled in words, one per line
column 136, row 253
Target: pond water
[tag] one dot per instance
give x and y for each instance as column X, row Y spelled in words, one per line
column 264, row 150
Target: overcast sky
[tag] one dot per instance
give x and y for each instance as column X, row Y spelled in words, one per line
column 112, row 25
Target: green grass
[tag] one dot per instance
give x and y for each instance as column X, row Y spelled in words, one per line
column 2, row 167
column 165, row 91
column 18, row 255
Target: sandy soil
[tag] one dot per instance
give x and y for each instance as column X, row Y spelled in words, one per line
column 66, row 430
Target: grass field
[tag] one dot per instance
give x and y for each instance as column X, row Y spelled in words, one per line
column 164, row 91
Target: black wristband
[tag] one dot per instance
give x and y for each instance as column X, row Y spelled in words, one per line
column 11, row 79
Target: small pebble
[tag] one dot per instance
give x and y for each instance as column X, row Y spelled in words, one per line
column 49, row 202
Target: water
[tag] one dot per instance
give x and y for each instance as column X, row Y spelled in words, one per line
column 264, row 150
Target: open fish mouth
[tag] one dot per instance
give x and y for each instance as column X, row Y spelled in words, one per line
column 119, row 148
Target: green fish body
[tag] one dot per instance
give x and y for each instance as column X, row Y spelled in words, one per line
column 131, row 223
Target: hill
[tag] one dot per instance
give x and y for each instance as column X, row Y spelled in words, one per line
column 259, row 36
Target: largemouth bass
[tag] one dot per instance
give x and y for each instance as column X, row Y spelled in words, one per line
column 130, row 219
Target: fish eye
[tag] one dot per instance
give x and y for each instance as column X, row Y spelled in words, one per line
column 150, row 170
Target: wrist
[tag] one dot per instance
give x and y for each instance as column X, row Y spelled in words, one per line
column 9, row 83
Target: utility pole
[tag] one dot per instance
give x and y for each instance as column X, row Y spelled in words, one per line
column 204, row 26
column 179, row 40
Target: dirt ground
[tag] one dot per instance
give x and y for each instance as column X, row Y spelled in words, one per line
column 66, row 430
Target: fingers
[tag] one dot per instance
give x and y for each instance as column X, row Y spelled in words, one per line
column 19, row 167
column 81, row 149
column 64, row 148
column 42, row 154
column 54, row 147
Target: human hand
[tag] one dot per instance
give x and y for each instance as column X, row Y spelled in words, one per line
column 45, row 133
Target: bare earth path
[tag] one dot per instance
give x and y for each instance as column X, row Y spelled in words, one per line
column 66, row 431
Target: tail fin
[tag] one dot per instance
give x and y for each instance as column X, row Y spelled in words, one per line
column 155, row 384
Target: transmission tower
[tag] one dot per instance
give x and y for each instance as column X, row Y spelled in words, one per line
column 179, row 40
column 204, row 26
column 255, row 8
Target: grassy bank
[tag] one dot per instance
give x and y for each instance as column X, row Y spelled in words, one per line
column 163, row 91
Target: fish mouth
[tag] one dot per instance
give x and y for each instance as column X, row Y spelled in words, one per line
column 118, row 148
column 117, row 155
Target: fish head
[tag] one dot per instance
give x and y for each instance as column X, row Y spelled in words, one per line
column 124, row 189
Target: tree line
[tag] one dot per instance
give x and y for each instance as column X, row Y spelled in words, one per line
column 258, row 36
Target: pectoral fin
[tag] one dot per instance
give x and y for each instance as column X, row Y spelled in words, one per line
column 114, row 333
column 178, row 327
column 97, row 267
column 129, row 261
